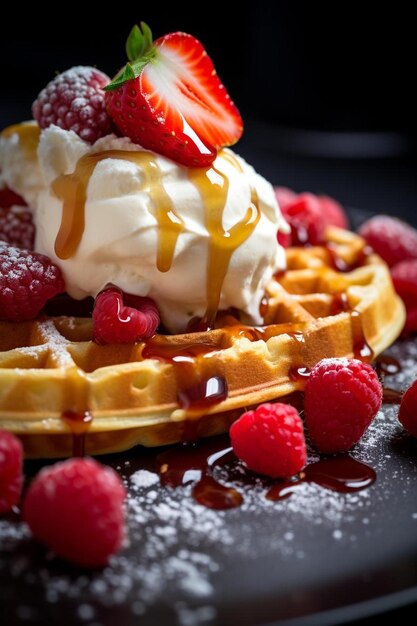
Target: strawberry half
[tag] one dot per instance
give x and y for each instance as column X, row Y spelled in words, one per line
column 169, row 99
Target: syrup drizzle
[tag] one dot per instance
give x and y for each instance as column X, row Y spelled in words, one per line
column 72, row 190
column 28, row 133
column 213, row 186
column 361, row 348
column 196, row 464
column 204, row 394
column 341, row 265
column 77, row 416
column 386, row 365
column 79, row 424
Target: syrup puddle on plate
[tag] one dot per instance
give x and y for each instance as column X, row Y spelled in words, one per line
column 196, row 464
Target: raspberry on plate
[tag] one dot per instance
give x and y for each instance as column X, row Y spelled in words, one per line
column 116, row 322
column 270, row 440
column 11, row 474
column 75, row 100
column 17, row 227
column 27, row 281
column 342, row 396
column 404, row 277
column 407, row 414
column 76, row 509
column 391, row 238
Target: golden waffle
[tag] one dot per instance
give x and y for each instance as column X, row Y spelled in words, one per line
column 55, row 382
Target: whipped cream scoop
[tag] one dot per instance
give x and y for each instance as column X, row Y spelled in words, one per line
column 194, row 240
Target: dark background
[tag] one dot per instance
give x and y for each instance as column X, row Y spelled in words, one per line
column 325, row 90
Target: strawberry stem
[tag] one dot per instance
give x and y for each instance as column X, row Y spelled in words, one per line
column 140, row 50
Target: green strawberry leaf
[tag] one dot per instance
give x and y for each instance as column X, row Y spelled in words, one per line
column 139, row 42
column 140, row 50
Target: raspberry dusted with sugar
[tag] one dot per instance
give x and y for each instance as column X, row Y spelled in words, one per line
column 342, row 396
column 17, row 227
column 27, row 281
column 408, row 410
column 391, row 238
column 76, row 509
column 404, row 277
column 11, row 476
column 123, row 318
column 74, row 100
column 270, row 440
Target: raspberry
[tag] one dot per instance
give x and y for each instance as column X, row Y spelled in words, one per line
column 408, row 410
column 16, row 227
column 404, row 277
column 27, row 281
column 74, row 100
column 9, row 198
column 308, row 216
column 342, row 396
column 333, row 212
column 391, row 238
column 11, row 476
column 270, row 440
column 284, row 196
column 76, row 509
column 113, row 322
column 306, row 220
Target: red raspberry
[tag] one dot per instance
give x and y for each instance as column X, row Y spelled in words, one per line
column 9, row 198
column 113, row 322
column 76, row 509
column 16, row 227
column 27, row 281
column 404, row 276
column 11, row 476
column 307, row 222
column 408, row 410
column 74, row 100
column 270, row 440
column 342, row 396
column 284, row 196
column 333, row 212
column 391, row 238
column 304, row 215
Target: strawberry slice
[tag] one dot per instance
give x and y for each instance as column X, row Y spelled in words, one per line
column 169, row 99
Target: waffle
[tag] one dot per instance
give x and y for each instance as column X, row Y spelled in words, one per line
column 55, row 383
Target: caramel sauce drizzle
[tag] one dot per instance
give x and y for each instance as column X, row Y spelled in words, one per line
column 28, row 133
column 72, row 190
column 212, row 185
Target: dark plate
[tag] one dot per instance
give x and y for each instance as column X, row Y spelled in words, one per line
column 318, row 557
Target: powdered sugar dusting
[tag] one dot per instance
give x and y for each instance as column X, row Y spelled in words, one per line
column 181, row 557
